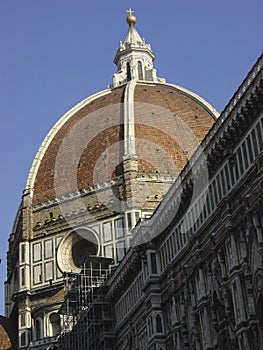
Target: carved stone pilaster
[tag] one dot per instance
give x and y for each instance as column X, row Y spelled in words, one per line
column 234, row 254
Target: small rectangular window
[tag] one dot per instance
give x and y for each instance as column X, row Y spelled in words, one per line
column 23, row 277
column 23, row 253
column 37, row 274
column 107, row 231
column 23, row 339
column 119, row 231
column 49, row 271
column 22, row 320
column 48, row 249
column 37, row 252
column 108, row 251
column 129, row 219
column 153, row 263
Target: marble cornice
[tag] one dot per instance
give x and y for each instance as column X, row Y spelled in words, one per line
column 89, row 190
column 124, row 270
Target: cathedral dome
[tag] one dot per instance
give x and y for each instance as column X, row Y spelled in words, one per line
column 159, row 124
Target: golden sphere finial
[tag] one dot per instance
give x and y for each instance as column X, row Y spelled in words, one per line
column 131, row 19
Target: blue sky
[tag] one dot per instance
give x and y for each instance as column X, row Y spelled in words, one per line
column 54, row 53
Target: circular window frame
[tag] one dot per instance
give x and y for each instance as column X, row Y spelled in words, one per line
column 65, row 259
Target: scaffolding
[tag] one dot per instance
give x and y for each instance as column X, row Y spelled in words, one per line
column 86, row 313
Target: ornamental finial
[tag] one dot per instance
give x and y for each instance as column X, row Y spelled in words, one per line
column 131, row 19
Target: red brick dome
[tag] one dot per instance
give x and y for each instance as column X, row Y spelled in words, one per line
column 90, row 141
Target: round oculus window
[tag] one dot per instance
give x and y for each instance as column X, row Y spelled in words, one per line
column 75, row 249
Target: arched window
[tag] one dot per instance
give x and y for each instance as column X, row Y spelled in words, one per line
column 55, row 324
column 159, row 327
column 38, row 330
column 128, row 71
column 140, row 73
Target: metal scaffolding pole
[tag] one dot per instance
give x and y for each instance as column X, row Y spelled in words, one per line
column 85, row 326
